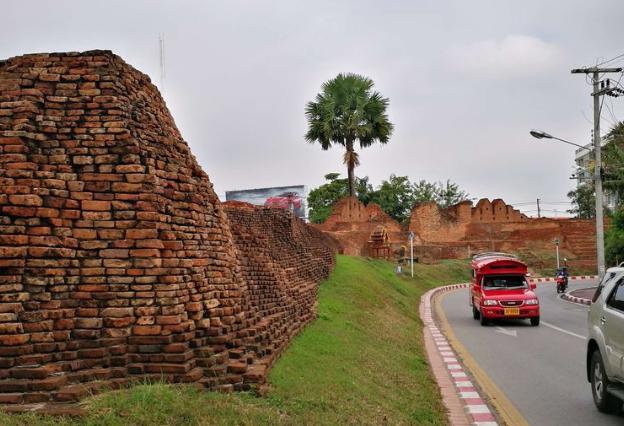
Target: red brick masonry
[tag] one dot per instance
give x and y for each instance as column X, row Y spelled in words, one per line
column 117, row 260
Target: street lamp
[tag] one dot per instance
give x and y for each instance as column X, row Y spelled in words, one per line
column 600, row 255
column 538, row 134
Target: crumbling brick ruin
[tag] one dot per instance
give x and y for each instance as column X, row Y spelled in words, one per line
column 352, row 224
column 461, row 230
column 117, row 260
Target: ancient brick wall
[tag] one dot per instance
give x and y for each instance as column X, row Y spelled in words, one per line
column 282, row 260
column 117, row 260
column 352, row 223
column 461, row 230
column 497, row 226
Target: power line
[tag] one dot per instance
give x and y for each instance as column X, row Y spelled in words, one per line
column 610, row 60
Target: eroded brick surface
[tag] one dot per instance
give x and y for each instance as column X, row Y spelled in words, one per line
column 117, row 260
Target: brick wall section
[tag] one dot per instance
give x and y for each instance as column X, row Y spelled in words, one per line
column 461, row 230
column 352, row 223
column 282, row 261
column 117, row 260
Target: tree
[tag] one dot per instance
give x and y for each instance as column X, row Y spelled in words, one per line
column 583, row 201
column 425, row 191
column 613, row 161
column 443, row 194
column 345, row 112
column 449, row 194
column 395, row 196
column 614, row 239
column 322, row 199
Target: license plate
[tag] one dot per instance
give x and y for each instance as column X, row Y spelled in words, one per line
column 512, row 311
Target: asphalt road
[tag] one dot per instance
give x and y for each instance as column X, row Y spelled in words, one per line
column 540, row 369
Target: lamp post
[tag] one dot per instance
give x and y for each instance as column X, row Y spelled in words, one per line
column 411, row 239
column 557, row 249
column 600, row 254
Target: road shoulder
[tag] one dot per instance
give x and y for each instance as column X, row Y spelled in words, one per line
column 460, row 395
column 507, row 411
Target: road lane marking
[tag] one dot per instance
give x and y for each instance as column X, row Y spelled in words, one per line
column 554, row 327
column 512, row 333
column 507, row 411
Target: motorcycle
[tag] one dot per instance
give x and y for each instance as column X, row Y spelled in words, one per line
column 562, row 283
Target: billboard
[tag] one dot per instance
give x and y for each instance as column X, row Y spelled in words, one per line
column 292, row 198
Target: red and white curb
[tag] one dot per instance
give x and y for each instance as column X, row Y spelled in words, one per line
column 474, row 405
column 577, row 277
column 574, row 299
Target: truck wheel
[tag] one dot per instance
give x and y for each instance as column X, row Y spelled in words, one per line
column 535, row 321
column 604, row 401
column 475, row 313
column 484, row 320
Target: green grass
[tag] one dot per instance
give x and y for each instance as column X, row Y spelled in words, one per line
column 361, row 362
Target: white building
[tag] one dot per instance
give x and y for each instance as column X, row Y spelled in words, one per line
column 585, row 159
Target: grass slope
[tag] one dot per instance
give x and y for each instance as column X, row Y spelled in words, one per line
column 361, row 362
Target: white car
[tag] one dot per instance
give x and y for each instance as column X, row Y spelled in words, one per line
column 605, row 344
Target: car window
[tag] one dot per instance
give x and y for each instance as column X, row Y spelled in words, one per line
column 616, row 299
column 504, row 281
column 608, row 277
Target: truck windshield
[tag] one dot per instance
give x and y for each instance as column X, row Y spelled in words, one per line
column 504, row 281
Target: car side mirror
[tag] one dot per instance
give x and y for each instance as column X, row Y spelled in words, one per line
column 532, row 285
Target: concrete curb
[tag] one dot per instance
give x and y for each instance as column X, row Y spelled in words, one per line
column 471, row 405
column 574, row 299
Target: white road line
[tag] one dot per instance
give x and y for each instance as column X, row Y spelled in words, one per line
column 554, row 327
column 512, row 333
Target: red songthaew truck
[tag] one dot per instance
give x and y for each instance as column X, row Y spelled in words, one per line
column 501, row 288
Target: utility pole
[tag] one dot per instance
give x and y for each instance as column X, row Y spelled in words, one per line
column 597, row 93
column 539, row 212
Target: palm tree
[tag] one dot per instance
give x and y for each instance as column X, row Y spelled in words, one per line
column 346, row 111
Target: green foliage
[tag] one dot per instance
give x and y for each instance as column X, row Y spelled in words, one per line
column 347, row 111
column 424, row 191
column 614, row 239
column 361, row 362
column 583, row 201
column 613, row 161
column 322, row 199
column 396, row 196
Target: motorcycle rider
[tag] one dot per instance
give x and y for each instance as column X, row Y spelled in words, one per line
column 562, row 279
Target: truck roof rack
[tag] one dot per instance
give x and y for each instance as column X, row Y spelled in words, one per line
column 493, row 254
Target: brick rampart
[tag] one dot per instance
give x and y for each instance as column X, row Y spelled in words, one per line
column 117, row 260
column 352, row 223
column 461, row 230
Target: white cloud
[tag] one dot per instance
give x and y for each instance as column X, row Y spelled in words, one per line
column 512, row 56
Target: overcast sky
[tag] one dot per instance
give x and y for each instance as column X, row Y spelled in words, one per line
column 466, row 81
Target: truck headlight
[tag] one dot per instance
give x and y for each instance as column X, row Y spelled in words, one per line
column 532, row 302
column 490, row 302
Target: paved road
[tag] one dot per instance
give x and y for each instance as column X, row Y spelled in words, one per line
column 540, row 369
